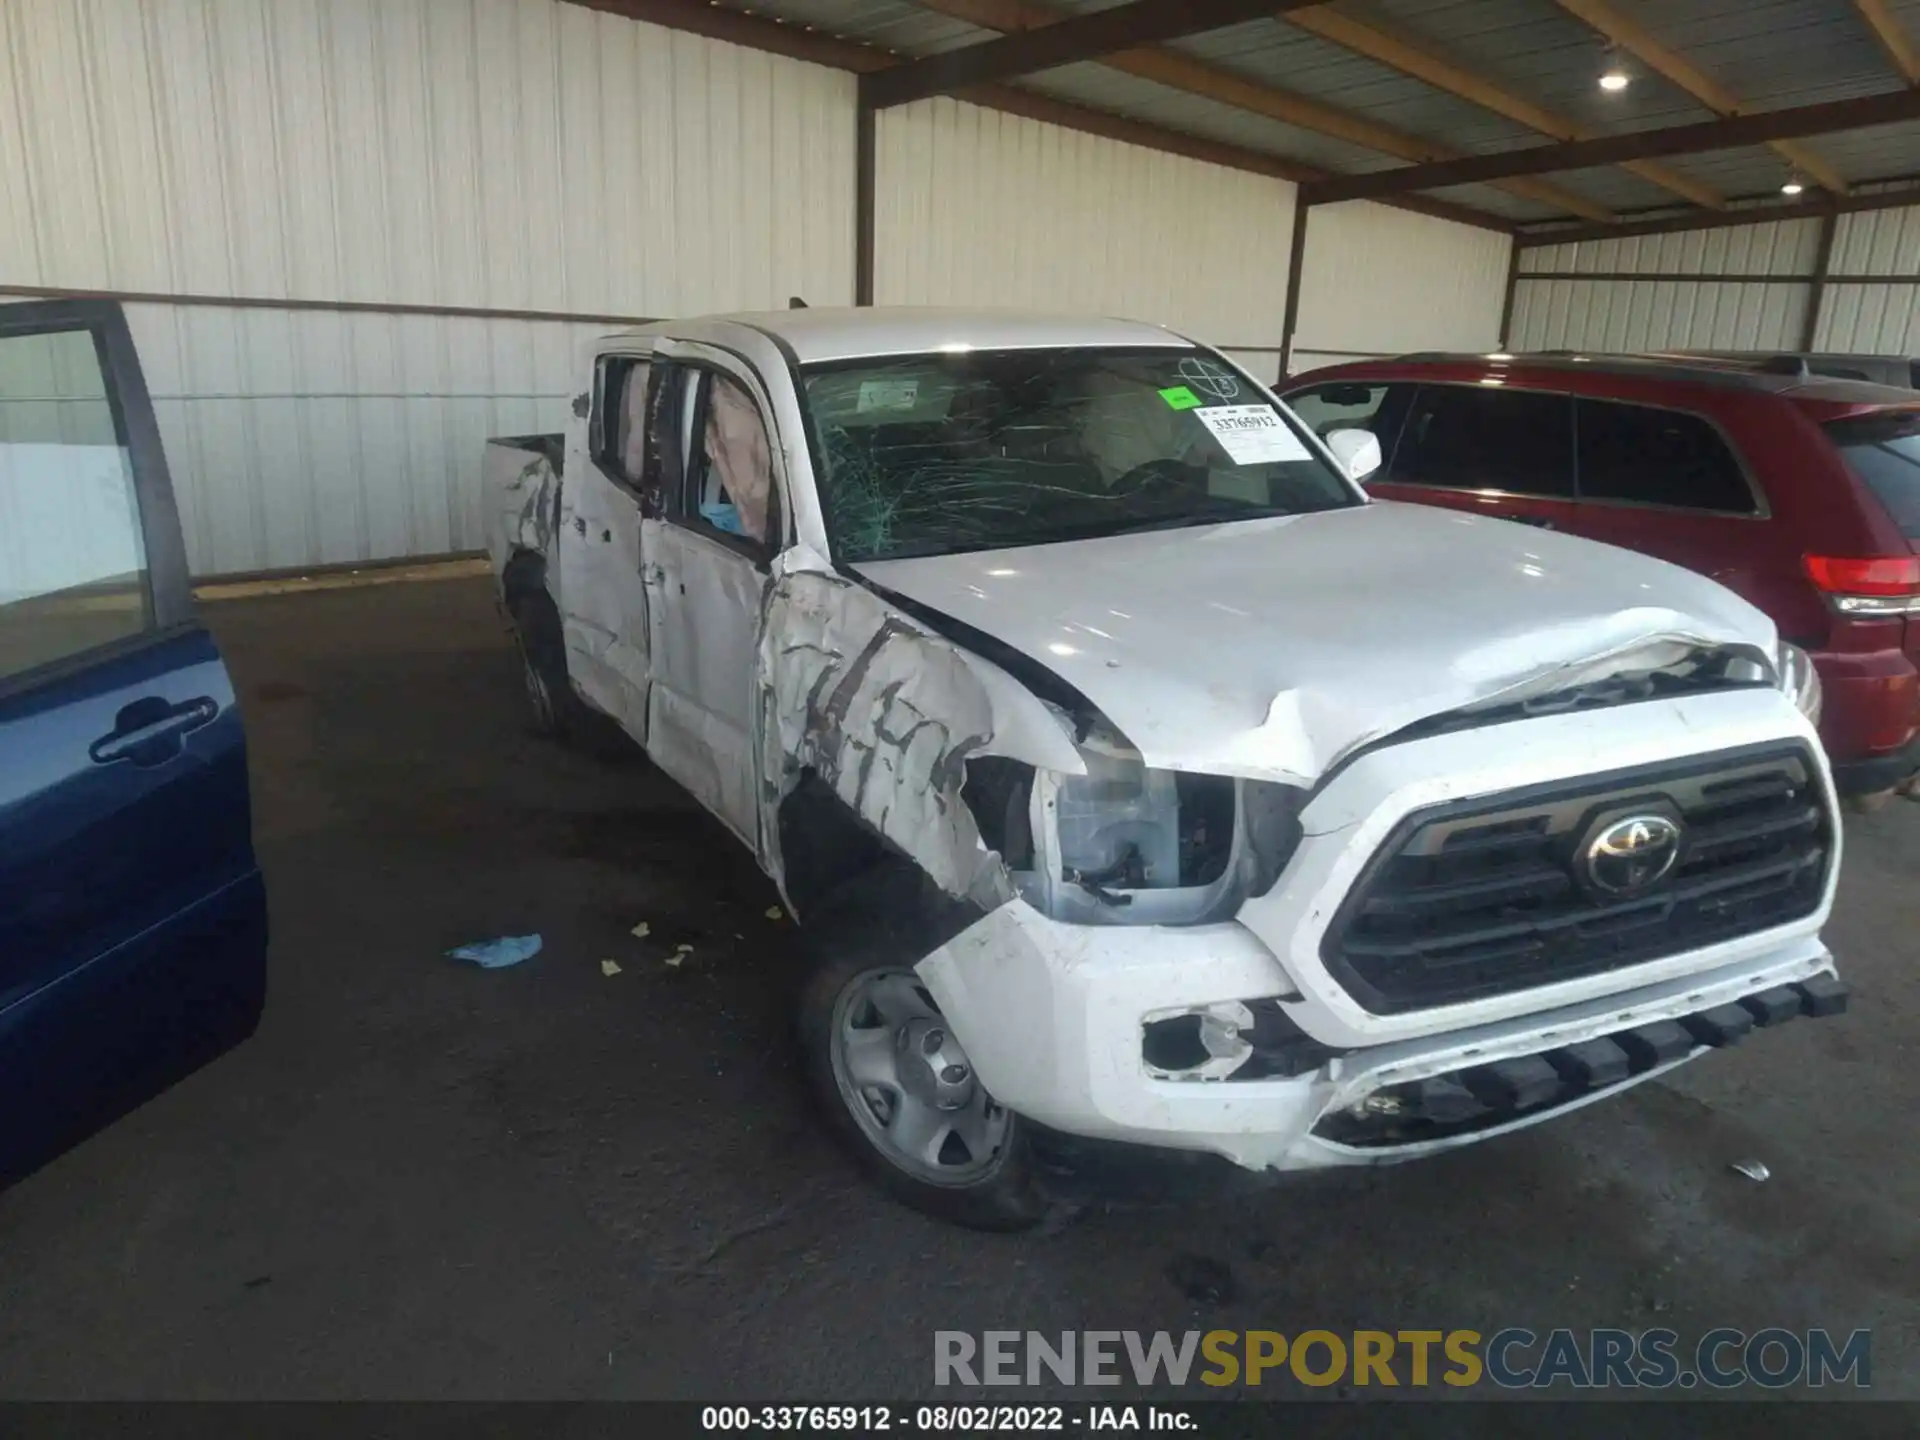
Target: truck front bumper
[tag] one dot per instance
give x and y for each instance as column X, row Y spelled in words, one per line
column 1052, row 1017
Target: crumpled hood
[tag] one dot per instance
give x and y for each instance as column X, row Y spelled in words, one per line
column 1270, row 648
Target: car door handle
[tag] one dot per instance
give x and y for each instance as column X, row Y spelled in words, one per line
column 151, row 731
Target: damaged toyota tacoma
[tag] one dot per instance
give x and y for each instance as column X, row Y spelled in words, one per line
column 1138, row 781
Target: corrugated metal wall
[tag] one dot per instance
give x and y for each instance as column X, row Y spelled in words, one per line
column 523, row 155
column 976, row 207
column 1381, row 281
column 1619, row 315
column 1873, row 319
column 1669, row 314
column 1774, row 247
column 302, row 438
column 498, row 154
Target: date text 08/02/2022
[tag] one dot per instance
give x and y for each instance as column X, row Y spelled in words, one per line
column 936, row 1419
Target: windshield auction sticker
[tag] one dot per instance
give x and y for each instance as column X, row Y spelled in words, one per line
column 1252, row 434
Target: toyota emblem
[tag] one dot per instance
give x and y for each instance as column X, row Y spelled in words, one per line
column 1627, row 855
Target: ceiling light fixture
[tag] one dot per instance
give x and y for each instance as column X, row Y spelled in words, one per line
column 1792, row 186
column 1613, row 75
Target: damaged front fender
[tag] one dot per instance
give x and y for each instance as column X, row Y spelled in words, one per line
column 887, row 714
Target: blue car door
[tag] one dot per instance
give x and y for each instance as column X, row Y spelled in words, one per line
column 132, row 914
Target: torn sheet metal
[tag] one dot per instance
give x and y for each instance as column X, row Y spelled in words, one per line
column 1256, row 649
column 887, row 714
column 523, row 494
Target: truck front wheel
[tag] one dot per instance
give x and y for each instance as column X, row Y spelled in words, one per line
column 899, row 1090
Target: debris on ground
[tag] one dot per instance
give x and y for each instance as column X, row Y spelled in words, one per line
column 1202, row 1279
column 774, row 912
column 609, row 968
column 681, row 953
column 641, row 931
column 1752, row 1169
column 498, row 954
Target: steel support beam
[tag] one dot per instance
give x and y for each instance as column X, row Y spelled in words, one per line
column 1825, row 118
column 1082, row 37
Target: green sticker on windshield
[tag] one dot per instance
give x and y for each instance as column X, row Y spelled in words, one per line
column 1179, row 397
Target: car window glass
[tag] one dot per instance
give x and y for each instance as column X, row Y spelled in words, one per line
column 729, row 485
column 73, row 569
column 1349, row 405
column 946, row 453
column 631, row 435
column 616, row 434
column 1657, row 457
column 1884, row 451
column 739, row 463
column 1485, row 437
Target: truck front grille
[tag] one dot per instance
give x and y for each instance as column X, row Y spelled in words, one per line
column 1494, row 895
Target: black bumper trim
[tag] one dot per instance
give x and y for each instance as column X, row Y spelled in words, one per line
column 1481, row 1097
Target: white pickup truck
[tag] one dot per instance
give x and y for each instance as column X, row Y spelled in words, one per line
column 1134, row 776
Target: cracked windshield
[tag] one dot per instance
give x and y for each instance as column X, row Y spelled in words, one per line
column 935, row 454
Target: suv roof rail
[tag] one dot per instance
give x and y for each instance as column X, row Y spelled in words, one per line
column 1697, row 369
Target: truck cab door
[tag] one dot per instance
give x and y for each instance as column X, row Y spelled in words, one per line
column 132, row 915
column 721, row 516
column 603, row 609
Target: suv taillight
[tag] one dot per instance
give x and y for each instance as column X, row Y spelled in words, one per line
column 1884, row 587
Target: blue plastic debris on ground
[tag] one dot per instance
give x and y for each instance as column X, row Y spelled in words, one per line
column 499, row 954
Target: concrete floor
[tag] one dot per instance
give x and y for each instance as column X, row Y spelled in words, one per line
column 423, row 1180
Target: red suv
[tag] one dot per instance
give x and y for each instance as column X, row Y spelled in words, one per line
column 1802, row 495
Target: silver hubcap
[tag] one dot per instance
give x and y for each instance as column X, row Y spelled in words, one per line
column 909, row 1084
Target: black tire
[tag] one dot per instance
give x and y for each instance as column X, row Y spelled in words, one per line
column 845, row 950
column 556, row 710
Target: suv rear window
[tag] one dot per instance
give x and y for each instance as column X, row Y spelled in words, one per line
column 1657, row 457
column 1884, row 451
column 1482, row 437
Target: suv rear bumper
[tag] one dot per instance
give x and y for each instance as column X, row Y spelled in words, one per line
column 1878, row 772
column 1868, row 694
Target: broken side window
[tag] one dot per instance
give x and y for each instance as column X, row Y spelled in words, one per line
column 725, row 485
column 616, row 430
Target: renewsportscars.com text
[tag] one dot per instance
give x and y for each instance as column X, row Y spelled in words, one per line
column 1513, row 1358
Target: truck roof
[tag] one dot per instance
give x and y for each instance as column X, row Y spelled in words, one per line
column 851, row 333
